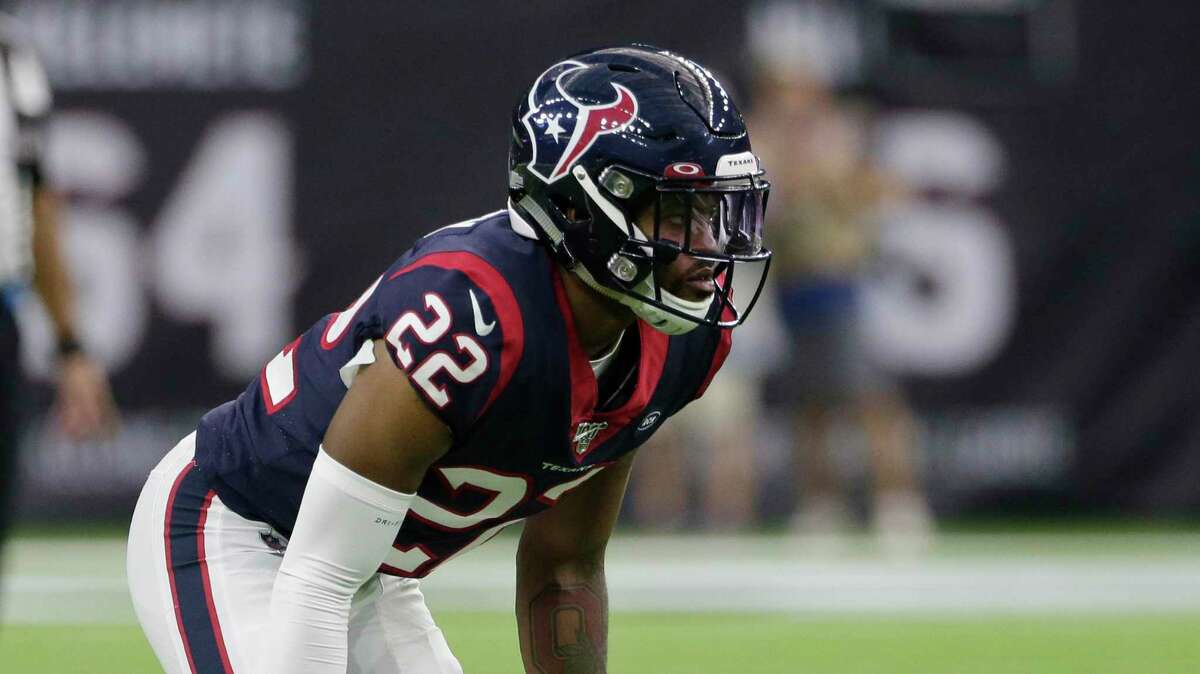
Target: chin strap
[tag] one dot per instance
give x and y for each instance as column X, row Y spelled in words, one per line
column 548, row 231
column 663, row 321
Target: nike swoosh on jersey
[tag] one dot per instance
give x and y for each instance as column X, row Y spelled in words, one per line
column 482, row 329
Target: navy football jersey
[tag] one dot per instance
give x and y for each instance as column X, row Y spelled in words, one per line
column 476, row 316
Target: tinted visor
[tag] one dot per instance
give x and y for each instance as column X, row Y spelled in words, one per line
column 724, row 217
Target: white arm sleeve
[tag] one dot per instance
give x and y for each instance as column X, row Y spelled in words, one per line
column 344, row 529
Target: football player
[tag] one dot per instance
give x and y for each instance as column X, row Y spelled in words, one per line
column 502, row 370
column 32, row 258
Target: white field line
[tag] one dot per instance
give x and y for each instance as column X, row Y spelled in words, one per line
column 860, row 587
column 802, row 587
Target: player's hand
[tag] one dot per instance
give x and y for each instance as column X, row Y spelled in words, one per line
column 85, row 407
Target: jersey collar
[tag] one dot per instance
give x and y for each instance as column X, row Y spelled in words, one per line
column 584, row 387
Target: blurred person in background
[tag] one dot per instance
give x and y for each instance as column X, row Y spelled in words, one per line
column 827, row 201
column 30, row 250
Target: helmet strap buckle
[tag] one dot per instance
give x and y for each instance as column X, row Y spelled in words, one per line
column 623, row 268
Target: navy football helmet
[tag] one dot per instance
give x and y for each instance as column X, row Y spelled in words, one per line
column 607, row 137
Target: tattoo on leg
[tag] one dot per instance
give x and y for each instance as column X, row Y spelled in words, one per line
column 566, row 630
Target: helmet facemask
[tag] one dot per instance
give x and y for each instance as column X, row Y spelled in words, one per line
column 644, row 217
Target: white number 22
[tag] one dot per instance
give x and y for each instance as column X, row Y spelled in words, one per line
column 438, row 361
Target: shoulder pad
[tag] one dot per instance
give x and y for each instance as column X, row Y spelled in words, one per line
column 452, row 323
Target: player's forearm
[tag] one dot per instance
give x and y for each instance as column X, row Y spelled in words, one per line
column 562, row 614
column 345, row 526
column 50, row 272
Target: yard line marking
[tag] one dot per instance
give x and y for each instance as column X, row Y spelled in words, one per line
column 880, row 587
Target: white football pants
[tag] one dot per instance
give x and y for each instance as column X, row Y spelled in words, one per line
column 201, row 575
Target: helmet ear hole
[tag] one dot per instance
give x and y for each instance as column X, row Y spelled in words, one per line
column 566, row 208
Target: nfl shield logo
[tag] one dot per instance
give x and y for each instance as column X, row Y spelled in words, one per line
column 585, row 432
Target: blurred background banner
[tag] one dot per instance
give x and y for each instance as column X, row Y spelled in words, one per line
column 236, row 169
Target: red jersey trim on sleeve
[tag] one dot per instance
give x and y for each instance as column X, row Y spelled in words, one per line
column 492, row 282
column 278, row 379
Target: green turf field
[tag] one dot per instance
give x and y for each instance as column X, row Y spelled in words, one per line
column 666, row 643
column 1007, row 602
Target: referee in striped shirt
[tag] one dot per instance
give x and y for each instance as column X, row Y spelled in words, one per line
column 30, row 256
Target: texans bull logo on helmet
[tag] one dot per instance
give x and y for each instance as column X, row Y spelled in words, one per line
column 562, row 128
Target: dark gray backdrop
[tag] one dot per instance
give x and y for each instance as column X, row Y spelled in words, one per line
column 397, row 122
